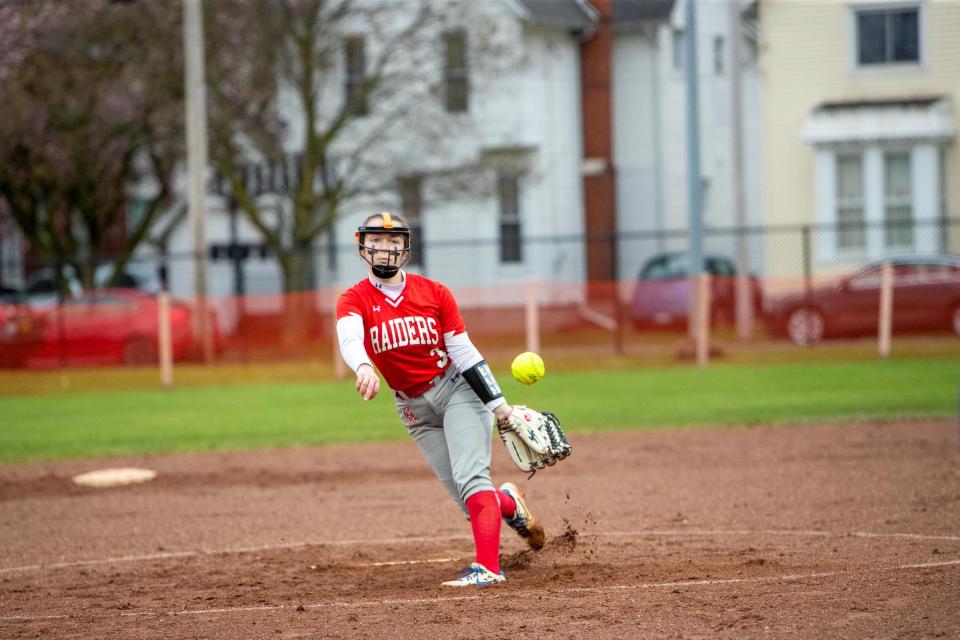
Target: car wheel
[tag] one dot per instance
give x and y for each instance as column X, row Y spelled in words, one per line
column 140, row 350
column 805, row 326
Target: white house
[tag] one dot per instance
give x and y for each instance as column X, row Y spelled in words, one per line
column 650, row 146
column 524, row 126
column 584, row 133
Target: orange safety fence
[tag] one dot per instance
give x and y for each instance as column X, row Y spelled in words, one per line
column 559, row 319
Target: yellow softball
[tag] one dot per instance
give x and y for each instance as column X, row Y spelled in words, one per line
column 527, row 367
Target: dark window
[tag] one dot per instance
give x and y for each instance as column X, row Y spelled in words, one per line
column 720, row 267
column 455, row 79
column 718, row 55
column 355, row 92
column 508, row 191
column 411, row 204
column 886, row 36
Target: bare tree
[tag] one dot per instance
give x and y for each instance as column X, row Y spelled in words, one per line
column 340, row 98
column 92, row 105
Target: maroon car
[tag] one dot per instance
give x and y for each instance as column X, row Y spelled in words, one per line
column 926, row 297
column 661, row 296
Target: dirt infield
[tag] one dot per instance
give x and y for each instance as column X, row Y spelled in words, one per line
column 808, row 531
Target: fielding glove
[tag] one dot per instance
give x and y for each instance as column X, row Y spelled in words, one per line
column 534, row 440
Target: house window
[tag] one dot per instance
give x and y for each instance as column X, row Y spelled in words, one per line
column 677, row 48
column 888, row 36
column 411, row 205
column 718, row 55
column 455, row 81
column 355, row 93
column 332, row 249
column 850, row 205
column 508, row 192
column 897, row 199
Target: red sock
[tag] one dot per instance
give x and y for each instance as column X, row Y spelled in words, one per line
column 485, row 521
column 508, row 506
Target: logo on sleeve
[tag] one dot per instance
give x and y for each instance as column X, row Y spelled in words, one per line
column 376, row 307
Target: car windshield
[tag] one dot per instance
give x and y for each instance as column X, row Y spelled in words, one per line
column 720, row 267
column 675, row 266
column 664, row 267
column 867, row 277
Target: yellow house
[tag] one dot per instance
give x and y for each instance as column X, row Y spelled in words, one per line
column 859, row 103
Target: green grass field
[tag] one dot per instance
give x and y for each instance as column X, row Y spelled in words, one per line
column 243, row 416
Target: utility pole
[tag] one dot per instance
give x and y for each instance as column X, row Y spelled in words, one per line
column 694, row 183
column 743, row 293
column 196, row 116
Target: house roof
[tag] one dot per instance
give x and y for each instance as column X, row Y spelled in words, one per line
column 626, row 12
column 580, row 16
column 576, row 15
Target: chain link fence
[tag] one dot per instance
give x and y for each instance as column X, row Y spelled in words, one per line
column 639, row 307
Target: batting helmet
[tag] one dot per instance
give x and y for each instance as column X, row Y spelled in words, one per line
column 385, row 223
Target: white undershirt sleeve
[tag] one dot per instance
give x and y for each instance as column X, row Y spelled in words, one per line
column 461, row 350
column 350, row 335
column 464, row 355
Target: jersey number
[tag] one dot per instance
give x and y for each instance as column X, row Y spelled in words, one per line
column 441, row 357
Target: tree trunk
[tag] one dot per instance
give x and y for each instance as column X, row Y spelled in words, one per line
column 298, row 310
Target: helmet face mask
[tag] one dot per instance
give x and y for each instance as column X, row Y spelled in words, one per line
column 384, row 258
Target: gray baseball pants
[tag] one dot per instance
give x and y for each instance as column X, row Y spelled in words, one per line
column 453, row 430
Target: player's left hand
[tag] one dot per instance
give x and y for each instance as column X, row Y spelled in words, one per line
column 502, row 412
column 368, row 383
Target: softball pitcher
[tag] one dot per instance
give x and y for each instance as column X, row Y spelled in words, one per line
column 410, row 328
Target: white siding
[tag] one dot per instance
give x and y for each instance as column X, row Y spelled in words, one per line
column 534, row 106
column 651, row 135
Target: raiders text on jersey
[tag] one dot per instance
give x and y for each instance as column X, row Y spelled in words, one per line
column 400, row 332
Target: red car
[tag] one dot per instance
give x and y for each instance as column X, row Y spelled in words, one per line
column 21, row 331
column 926, row 297
column 111, row 326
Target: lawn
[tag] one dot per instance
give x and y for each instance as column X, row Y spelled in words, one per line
column 289, row 413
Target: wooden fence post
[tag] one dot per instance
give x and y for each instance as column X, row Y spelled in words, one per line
column 703, row 320
column 339, row 366
column 163, row 340
column 885, row 328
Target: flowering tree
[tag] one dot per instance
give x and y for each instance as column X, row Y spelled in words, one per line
column 92, row 104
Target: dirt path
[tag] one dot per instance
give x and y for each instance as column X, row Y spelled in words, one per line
column 810, row 531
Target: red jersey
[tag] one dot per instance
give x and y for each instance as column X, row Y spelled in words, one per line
column 404, row 337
